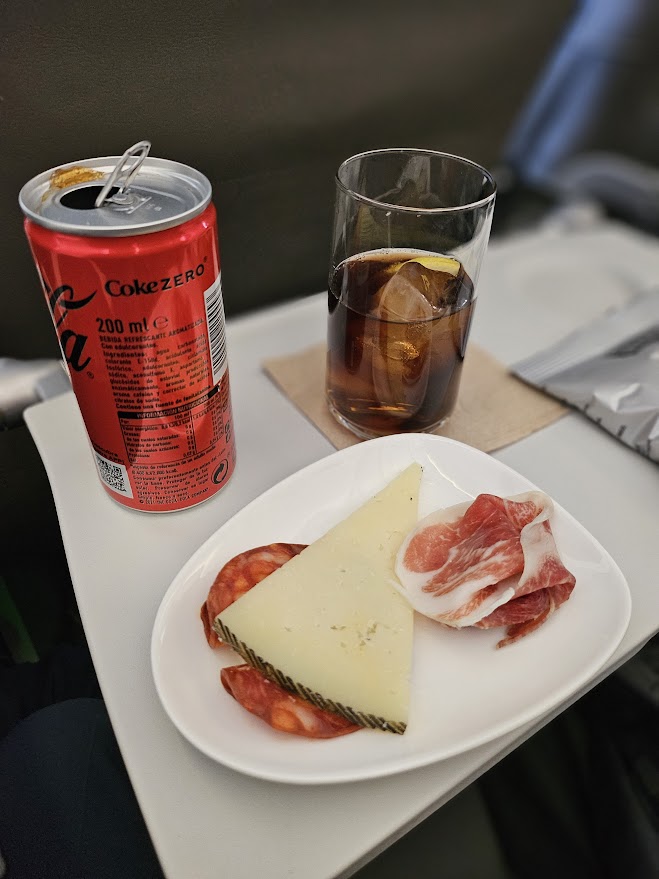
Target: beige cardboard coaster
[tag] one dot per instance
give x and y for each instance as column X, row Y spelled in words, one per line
column 494, row 407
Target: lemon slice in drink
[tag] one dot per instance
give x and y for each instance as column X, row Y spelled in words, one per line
column 434, row 263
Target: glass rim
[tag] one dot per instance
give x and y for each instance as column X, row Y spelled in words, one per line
column 470, row 206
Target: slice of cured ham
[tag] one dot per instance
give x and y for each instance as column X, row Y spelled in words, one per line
column 280, row 709
column 487, row 563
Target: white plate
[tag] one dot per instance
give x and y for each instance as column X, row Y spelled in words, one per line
column 464, row 691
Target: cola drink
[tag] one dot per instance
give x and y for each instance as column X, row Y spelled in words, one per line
column 397, row 334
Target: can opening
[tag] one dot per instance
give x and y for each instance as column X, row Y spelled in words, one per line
column 84, row 198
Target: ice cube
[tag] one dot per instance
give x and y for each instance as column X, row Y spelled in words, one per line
column 420, row 289
column 400, row 359
column 439, row 287
column 401, row 299
column 400, row 342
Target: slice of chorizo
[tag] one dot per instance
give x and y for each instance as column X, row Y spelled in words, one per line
column 280, row 709
column 238, row 576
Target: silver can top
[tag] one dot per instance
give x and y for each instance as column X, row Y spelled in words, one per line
column 116, row 196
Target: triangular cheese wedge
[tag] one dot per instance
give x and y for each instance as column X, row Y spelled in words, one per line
column 329, row 625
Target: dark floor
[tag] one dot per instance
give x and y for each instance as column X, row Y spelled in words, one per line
column 580, row 799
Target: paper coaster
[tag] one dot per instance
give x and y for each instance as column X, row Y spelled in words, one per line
column 494, row 408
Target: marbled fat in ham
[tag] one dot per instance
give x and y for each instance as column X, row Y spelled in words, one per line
column 487, row 563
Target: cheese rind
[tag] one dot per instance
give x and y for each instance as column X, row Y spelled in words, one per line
column 329, row 624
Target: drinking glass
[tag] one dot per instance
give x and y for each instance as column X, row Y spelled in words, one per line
column 411, row 227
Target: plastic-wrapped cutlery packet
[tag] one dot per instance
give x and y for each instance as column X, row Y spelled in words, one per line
column 609, row 370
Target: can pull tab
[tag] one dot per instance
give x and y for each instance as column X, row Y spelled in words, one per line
column 123, row 174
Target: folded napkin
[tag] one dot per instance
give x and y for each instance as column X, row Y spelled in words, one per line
column 494, row 408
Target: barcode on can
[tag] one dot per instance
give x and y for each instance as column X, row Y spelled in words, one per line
column 215, row 323
column 114, row 475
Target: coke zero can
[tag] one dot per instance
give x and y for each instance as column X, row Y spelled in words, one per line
column 126, row 249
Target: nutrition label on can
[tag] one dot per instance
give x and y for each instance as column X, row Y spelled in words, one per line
column 165, row 448
column 174, row 434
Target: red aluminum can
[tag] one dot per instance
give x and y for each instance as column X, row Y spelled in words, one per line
column 126, row 249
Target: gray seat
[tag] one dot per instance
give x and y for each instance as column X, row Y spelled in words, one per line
column 590, row 128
